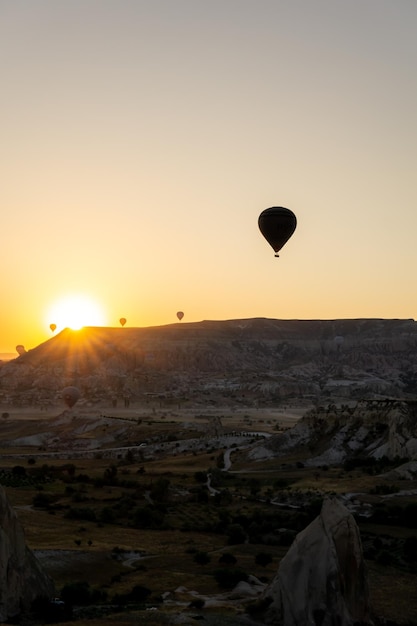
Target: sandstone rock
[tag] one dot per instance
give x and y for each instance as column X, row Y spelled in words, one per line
column 321, row 581
column 21, row 576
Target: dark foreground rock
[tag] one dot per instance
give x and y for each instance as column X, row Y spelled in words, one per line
column 21, row 576
column 321, row 581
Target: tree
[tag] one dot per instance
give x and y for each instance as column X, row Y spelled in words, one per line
column 227, row 558
column 202, row 558
column 263, row 558
column 228, row 577
column 160, row 489
column 236, row 534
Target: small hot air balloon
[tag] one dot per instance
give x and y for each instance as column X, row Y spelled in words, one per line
column 122, row 321
column 277, row 224
column 52, row 327
column 180, row 315
column 20, row 349
column 70, row 395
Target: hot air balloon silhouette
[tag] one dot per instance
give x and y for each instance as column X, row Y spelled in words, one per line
column 122, row 321
column 52, row 327
column 70, row 395
column 180, row 315
column 20, row 349
column 277, row 224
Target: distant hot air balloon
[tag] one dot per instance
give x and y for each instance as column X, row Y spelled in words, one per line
column 70, row 395
column 338, row 340
column 122, row 321
column 20, row 350
column 180, row 315
column 52, row 327
column 277, row 224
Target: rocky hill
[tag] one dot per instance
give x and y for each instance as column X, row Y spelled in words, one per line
column 255, row 360
column 369, row 429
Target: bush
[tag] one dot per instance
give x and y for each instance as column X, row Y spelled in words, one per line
column 19, row 470
column 147, row 517
column 263, row 558
column 410, row 549
column 138, row 594
column 80, row 593
column 228, row 577
column 227, row 559
column 84, row 513
column 236, row 534
column 200, row 477
column 202, row 558
column 42, row 500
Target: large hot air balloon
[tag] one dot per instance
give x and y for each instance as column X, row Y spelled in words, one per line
column 122, row 321
column 20, row 349
column 277, row 224
column 52, row 327
column 70, row 395
column 180, row 315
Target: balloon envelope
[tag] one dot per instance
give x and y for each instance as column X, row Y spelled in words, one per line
column 277, row 224
column 20, row 349
column 122, row 321
column 52, row 327
column 70, row 395
column 180, row 315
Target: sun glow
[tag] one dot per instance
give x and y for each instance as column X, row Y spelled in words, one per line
column 75, row 311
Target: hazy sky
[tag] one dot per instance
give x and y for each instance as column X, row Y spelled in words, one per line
column 140, row 140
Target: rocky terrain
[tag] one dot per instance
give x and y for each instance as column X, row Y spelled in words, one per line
column 335, row 434
column 22, row 578
column 256, row 361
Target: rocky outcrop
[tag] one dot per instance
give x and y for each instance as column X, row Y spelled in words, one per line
column 374, row 428
column 321, row 581
column 21, row 576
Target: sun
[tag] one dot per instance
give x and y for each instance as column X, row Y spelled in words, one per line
column 75, row 311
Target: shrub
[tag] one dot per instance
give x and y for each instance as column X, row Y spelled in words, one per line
column 85, row 513
column 236, row 534
column 202, row 558
column 200, row 477
column 198, row 604
column 137, row 594
column 42, row 500
column 228, row 577
column 263, row 558
column 227, row 559
column 147, row 517
column 79, row 593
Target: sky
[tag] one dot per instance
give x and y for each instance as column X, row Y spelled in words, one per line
column 140, row 140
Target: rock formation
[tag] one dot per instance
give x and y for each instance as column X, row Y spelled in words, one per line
column 371, row 428
column 260, row 360
column 321, row 581
column 21, row 576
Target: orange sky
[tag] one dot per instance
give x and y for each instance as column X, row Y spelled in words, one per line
column 141, row 140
